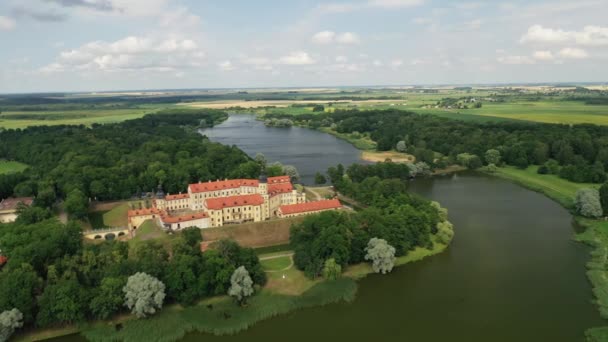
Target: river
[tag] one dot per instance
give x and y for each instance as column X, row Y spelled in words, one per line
column 310, row 151
column 512, row 273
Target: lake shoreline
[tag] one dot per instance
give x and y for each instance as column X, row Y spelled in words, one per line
column 595, row 235
column 200, row 319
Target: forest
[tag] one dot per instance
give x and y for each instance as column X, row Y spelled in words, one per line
column 577, row 153
column 404, row 220
column 53, row 278
column 118, row 161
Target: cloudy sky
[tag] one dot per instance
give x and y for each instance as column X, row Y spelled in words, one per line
column 81, row 45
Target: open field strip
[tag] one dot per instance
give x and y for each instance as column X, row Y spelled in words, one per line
column 11, row 166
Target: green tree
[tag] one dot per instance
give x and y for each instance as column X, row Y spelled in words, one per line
column 76, row 204
column 587, row 203
column 604, row 197
column 62, row 302
column 241, row 285
column 144, row 294
column 181, row 278
column 261, row 159
column 492, row 156
column 9, row 321
column 18, row 289
column 292, row 172
column 381, row 254
column 107, row 298
column 331, row 269
column 320, row 178
column 401, row 147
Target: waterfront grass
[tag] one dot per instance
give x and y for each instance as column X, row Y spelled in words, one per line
column 219, row 316
column 559, row 189
column 361, row 143
column 7, row 167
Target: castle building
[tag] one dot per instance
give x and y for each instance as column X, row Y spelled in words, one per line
column 229, row 201
column 10, row 206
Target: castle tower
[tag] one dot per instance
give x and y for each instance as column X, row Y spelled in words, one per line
column 263, row 184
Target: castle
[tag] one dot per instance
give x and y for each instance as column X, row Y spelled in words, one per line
column 215, row 204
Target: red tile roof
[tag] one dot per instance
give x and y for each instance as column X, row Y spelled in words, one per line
column 183, row 218
column 3, row 260
column 12, row 203
column 279, row 179
column 176, row 197
column 310, row 206
column 144, row 212
column 233, row 201
column 221, row 185
column 279, row 188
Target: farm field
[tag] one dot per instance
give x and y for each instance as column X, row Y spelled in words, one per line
column 22, row 119
column 11, row 167
column 557, row 112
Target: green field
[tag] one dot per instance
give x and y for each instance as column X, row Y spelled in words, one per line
column 22, row 119
column 559, row 189
column 11, row 167
column 276, row 264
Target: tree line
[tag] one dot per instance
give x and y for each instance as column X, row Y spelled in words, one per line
column 574, row 152
column 393, row 223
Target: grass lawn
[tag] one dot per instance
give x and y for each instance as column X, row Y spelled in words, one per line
column 149, row 230
column 276, row 264
column 556, row 188
column 117, row 216
column 11, row 167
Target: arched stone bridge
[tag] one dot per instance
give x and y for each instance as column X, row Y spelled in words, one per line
column 108, row 233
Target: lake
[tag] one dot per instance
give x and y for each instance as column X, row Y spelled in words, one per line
column 512, row 273
column 308, row 150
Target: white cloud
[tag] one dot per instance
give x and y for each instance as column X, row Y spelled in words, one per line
column 344, row 7
column 329, row 37
column 226, row 66
column 377, row 63
column 130, row 53
column 394, row 3
column 6, row 23
column 590, row 35
column 297, row 58
column 347, row 38
column 473, row 24
column 573, row 53
column 341, row 59
column 515, row 60
column 543, row 55
column 395, row 63
column 420, row 61
column 324, row 37
column 422, row 21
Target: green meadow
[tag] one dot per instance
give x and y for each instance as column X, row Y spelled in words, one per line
column 11, row 167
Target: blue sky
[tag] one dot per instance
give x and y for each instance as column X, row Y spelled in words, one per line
column 88, row 45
